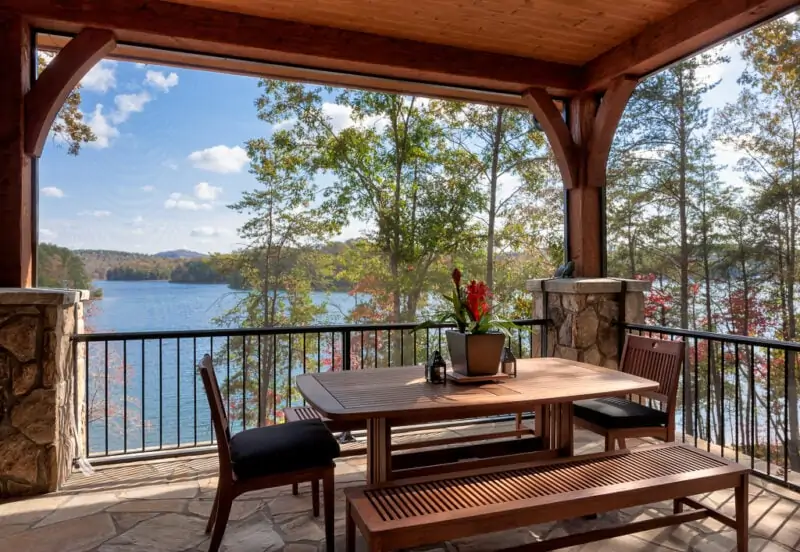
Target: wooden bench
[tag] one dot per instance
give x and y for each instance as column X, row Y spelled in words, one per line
column 428, row 510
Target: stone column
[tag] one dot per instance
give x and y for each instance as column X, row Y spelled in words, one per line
column 38, row 388
column 584, row 315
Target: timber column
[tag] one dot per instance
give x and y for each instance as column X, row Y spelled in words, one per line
column 581, row 145
column 16, row 223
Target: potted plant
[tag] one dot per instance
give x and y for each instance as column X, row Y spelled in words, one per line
column 477, row 345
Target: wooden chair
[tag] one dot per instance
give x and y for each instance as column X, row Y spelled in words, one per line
column 619, row 418
column 266, row 457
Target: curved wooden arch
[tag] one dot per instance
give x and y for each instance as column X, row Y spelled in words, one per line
column 61, row 76
column 540, row 102
column 605, row 127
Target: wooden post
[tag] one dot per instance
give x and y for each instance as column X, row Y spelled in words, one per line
column 581, row 145
column 16, row 221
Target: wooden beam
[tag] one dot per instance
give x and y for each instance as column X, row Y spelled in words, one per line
column 138, row 54
column 200, row 30
column 59, row 78
column 555, row 128
column 605, row 127
column 700, row 25
column 16, row 216
column 584, row 201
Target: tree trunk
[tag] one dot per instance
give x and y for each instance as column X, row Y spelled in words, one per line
column 496, row 143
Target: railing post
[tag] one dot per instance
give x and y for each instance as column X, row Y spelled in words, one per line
column 544, row 328
column 346, row 349
column 623, row 295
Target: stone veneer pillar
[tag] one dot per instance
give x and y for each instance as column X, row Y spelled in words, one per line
column 584, row 315
column 38, row 388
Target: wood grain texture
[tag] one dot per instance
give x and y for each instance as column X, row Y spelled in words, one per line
column 16, row 215
column 59, row 78
column 401, row 394
column 699, row 25
column 201, row 30
column 570, row 32
column 541, row 104
column 420, row 511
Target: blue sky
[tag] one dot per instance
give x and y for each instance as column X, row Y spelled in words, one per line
column 169, row 158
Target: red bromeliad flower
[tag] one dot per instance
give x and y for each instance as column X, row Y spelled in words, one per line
column 477, row 295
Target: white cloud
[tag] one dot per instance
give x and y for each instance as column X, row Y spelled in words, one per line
column 172, row 165
column 141, row 65
column 160, row 81
column 137, row 220
column 52, row 191
column 138, row 231
column 148, row 188
column 46, row 234
column 178, row 201
column 791, row 17
column 220, row 159
column 205, row 232
column 127, row 104
column 103, row 131
column 98, row 213
column 341, row 117
column 101, row 77
column 207, row 192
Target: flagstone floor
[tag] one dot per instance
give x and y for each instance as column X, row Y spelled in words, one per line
column 163, row 505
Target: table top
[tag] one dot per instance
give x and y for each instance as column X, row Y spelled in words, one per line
column 403, row 394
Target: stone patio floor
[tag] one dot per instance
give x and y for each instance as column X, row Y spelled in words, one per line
column 163, row 506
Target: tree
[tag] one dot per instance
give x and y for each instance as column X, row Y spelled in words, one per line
column 764, row 126
column 391, row 169
column 498, row 144
column 282, row 221
column 69, row 126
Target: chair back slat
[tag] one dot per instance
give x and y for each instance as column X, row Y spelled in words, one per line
column 658, row 360
column 218, row 415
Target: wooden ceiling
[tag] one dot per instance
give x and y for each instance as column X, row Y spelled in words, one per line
column 566, row 31
column 476, row 50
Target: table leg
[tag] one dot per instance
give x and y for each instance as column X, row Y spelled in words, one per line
column 379, row 451
column 555, row 428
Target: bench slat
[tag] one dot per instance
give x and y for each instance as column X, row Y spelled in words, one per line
column 406, row 513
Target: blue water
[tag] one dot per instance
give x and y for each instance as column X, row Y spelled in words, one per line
column 145, row 393
column 159, row 306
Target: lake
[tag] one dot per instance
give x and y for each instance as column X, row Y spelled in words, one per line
column 157, row 306
column 145, row 393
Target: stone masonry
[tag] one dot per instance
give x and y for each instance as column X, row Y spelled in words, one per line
column 584, row 313
column 38, row 389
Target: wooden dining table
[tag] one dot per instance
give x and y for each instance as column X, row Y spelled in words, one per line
column 401, row 396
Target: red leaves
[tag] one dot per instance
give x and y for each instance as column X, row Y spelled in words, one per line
column 477, row 295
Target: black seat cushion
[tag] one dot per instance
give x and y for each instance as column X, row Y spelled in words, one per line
column 292, row 446
column 618, row 413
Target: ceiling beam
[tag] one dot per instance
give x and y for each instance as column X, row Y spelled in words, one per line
column 194, row 29
column 700, row 25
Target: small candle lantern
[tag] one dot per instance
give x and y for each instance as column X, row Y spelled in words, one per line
column 508, row 364
column 435, row 369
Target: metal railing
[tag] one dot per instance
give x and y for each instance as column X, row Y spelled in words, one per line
column 738, row 398
column 143, row 395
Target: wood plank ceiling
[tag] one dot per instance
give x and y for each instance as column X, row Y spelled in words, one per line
column 567, row 31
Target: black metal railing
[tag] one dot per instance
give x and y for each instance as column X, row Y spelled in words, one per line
column 142, row 393
column 738, row 398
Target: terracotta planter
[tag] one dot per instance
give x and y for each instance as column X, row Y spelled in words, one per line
column 475, row 355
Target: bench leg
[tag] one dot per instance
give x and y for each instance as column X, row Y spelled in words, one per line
column 295, row 490
column 742, row 521
column 609, row 442
column 621, row 443
column 349, row 531
column 677, row 506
